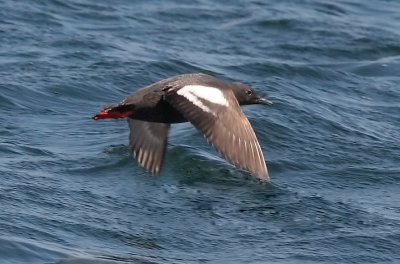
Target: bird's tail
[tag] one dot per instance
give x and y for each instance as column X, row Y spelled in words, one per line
column 115, row 111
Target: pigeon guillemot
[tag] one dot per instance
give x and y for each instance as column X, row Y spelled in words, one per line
column 210, row 104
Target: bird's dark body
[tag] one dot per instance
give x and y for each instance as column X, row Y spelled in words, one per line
column 149, row 102
column 163, row 112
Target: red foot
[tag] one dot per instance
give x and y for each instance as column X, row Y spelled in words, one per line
column 112, row 114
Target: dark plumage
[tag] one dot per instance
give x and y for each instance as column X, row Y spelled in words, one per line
column 210, row 104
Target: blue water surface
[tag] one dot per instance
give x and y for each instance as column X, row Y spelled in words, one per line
column 70, row 192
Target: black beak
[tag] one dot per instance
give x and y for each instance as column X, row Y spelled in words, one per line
column 264, row 101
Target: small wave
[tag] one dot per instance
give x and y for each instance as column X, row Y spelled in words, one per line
column 388, row 67
column 16, row 250
column 14, row 148
column 288, row 69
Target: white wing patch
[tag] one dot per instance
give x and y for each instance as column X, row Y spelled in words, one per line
column 195, row 100
column 194, row 93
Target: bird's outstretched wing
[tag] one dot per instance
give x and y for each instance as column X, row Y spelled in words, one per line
column 217, row 115
column 148, row 142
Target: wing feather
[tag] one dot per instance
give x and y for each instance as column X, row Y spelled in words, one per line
column 148, row 142
column 225, row 127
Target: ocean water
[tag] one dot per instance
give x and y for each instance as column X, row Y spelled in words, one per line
column 70, row 193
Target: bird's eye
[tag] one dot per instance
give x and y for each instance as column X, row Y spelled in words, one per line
column 249, row 92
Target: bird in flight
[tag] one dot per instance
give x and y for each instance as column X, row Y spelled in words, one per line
column 210, row 104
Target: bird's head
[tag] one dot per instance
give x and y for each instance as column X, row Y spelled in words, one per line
column 247, row 95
